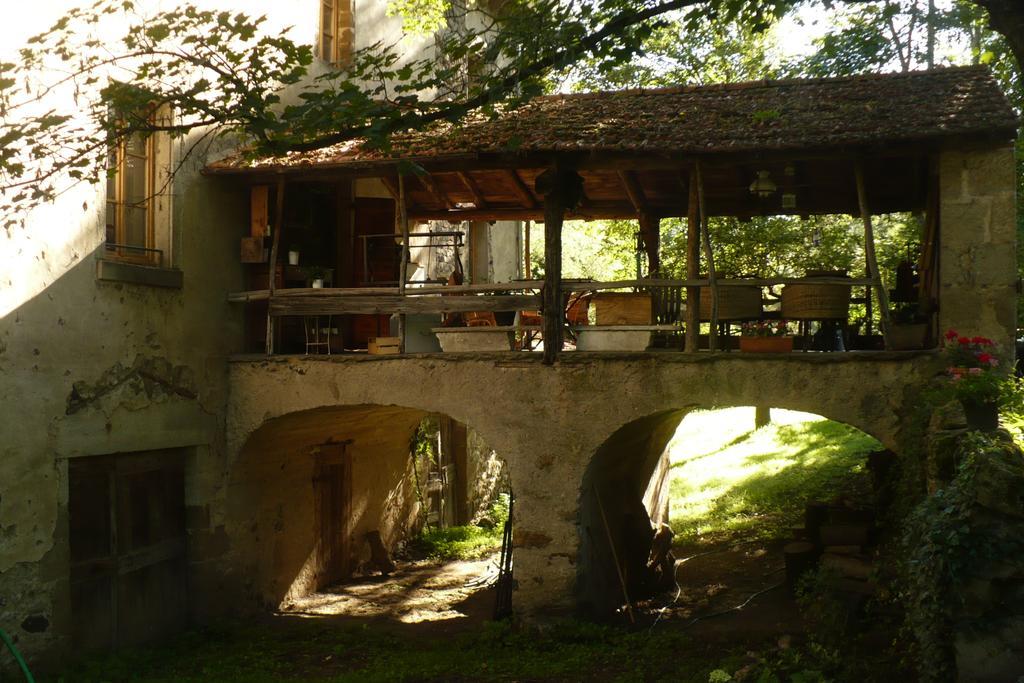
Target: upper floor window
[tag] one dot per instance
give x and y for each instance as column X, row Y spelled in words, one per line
column 136, row 211
column 336, row 31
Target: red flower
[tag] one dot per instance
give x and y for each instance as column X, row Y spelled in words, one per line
column 984, row 357
column 951, row 335
column 964, row 341
column 982, row 341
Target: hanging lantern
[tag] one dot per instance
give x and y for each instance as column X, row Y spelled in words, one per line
column 763, row 186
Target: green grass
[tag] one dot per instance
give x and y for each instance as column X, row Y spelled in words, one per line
column 318, row 650
column 729, row 479
column 464, row 542
column 456, row 543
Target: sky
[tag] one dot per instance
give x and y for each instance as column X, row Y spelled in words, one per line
column 23, row 19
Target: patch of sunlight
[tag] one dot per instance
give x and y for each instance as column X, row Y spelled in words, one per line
column 729, row 478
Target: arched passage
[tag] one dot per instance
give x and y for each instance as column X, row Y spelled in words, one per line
column 311, row 493
column 627, row 490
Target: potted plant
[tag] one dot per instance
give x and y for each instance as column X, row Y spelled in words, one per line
column 293, row 255
column 909, row 328
column 766, row 336
column 978, row 379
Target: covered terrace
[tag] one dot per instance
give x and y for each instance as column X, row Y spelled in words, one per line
column 863, row 146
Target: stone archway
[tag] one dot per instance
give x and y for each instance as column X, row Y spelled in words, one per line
column 305, row 490
column 623, row 498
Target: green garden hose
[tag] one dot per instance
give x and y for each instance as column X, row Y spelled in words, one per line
column 17, row 656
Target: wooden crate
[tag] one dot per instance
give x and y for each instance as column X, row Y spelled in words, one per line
column 626, row 308
column 382, row 346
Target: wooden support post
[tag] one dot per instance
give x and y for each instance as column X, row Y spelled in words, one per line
column 692, row 268
column 403, row 224
column 554, row 313
column 278, row 220
column 712, row 277
column 869, row 253
column 562, row 189
column 526, row 250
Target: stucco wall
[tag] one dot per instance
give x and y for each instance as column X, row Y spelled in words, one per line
column 90, row 367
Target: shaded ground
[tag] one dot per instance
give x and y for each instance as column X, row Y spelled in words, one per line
column 419, row 591
column 730, row 589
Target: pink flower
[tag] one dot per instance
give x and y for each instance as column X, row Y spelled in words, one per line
column 993, row 362
column 974, row 371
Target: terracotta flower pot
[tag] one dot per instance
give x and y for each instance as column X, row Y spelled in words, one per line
column 766, row 344
column 982, row 416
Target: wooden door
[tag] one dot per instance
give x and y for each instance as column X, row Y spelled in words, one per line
column 332, row 492
column 126, row 516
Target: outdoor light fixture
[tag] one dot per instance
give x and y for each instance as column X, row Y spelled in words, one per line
column 763, row 186
column 788, row 200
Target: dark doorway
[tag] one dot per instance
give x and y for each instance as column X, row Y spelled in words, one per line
column 127, row 546
column 332, row 490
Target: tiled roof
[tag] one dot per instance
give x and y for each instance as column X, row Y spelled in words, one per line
column 743, row 117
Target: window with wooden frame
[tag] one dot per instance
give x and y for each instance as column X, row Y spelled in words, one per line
column 136, row 220
column 336, row 31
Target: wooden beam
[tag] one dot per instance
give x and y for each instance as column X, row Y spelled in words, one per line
column 869, row 253
column 710, row 257
column 531, row 285
column 474, row 189
column 634, row 192
column 278, row 220
column 521, row 190
column 430, row 183
column 325, row 304
column 692, row 268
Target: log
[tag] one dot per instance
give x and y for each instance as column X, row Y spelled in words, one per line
column 800, row 558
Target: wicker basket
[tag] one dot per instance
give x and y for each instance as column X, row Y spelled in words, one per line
column 812, row 301
column 734, row 303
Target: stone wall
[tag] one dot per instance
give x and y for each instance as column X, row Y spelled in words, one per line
column 976, row 491
column 487, row 476
column 978, row 244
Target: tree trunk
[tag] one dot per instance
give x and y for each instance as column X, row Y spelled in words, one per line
column 1006, row 17
column 762, row 416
